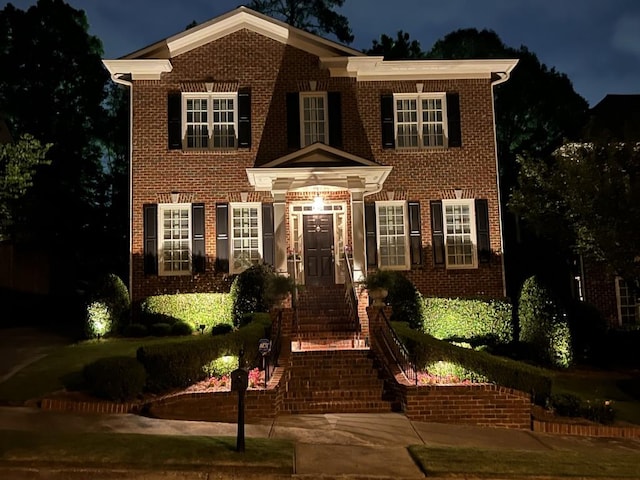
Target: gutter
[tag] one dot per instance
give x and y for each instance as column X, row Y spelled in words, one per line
column 117, row 78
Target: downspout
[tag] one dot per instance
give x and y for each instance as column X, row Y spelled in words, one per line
column 502, row 77
column 116, row 77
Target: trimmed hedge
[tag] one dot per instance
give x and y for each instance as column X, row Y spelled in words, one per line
column 428, row 350
column 179, row 364
column 473, row 321
column 193, row 308
column 115, row 378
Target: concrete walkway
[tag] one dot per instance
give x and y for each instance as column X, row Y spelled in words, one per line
column 357, row 446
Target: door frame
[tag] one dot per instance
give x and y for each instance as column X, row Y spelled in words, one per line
column 295, row 234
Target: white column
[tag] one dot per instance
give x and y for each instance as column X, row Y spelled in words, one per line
column 359, row 235
column 280, row 234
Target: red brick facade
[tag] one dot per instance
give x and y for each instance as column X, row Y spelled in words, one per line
column 270, row 68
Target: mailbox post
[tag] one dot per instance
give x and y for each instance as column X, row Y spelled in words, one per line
column 264, row 347
column 240, row 383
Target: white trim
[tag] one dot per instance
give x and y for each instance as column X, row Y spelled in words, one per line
column 325, row 112
column 620, row 284
column 141, row 69
column 376, row 68
column 419, row 97
column 210, row 97
column 472, row 233
column 405, row 235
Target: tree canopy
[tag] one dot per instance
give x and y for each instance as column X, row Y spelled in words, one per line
column 400, row 48
column 314, row 16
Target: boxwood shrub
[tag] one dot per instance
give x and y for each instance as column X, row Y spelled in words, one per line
column 473, row 321
column 117, row 378
column 196, row 309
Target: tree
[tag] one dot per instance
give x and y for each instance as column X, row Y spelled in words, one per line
column 18, row 164
column 536, row 111
column 314, row 16
column 402, row 48
column 588, row 196
column 53, row 87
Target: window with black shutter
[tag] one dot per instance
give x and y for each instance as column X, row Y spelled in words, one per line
column 244, row 118
column 415, row 233
column 482, row 231
column 453, row 120
column 387, row 119
column 174, row 113
column 437, row 232
column 222, row 237
column 198, row 253
column 150, row 220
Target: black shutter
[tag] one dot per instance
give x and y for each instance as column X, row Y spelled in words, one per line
column 198, row 254
column 222, row 237
column 388, row 129
column 453, row 120
column 293, row 120
column 244, row 118
column 370, row 229
column 268, row 239
column 482, row 231
column 335, row 119
column 174, row 113
column 150, row 220
column 415, row 234
column 437, row 232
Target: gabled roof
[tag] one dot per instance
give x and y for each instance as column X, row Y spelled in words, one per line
column 233, row 21
column 319, row 165
column 150, row 62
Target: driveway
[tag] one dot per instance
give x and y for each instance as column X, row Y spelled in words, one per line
column 22, row 346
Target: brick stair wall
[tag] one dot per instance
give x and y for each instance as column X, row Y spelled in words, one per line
column 331, row 381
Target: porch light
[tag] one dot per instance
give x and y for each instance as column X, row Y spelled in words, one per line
column 318, row 203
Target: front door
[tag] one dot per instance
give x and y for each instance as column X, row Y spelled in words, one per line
column 318, row 249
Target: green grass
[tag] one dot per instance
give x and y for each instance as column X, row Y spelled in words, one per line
column 503, row 463
column 62, row 367
column 144, row 451
column 593, row 384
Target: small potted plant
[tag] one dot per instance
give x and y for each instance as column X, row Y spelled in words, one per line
column 379, row 283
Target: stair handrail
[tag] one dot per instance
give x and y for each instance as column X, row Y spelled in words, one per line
column 269, row 361
column 351, row 294
column 395, row 347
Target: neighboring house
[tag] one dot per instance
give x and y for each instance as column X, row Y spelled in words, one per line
column 252, row 141
column 615, row 118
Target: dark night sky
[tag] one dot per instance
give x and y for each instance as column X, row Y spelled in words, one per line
column 596, row 43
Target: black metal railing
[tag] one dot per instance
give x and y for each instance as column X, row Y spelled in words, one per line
column 351, row 294
column 393, row 348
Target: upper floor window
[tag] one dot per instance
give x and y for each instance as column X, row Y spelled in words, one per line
column 393, row 239
column 314, row 121
column 420, row 120
column 210, row 121
column 314, row 117
column 174, row 239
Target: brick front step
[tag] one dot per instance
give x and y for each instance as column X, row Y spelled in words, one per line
column 336, row 406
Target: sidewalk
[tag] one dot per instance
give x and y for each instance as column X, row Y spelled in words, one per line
column 330, row 446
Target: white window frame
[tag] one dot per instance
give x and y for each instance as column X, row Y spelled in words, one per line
column 404, row 236
column 210, row 124
column 624, row 297
column 452, row 245
column 259, row 254
column 307, row 125
column 416, row 121
column 166, row 268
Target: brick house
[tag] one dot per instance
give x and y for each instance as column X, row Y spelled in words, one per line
column 615, row 118
column 254, row 141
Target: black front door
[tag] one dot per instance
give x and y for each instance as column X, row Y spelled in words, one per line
column 318, row 249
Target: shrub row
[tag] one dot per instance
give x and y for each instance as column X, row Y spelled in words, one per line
column 428, row 350
column 196, row 309
column 166, row 366
column 472, row 321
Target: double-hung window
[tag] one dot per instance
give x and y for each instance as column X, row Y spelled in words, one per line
column 627, row 303
column 174, row 239
column 393, row 238
column 420, row 120
column 459, row 233
column 314, row 120
column 246, row 235
column 210, row 120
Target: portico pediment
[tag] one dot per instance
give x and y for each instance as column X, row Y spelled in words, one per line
column 319, row 166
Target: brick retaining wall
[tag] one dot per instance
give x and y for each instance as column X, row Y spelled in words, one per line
column 477, row 404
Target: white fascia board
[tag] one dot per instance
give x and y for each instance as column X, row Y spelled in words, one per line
column 139, row 69
column 375, row 68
